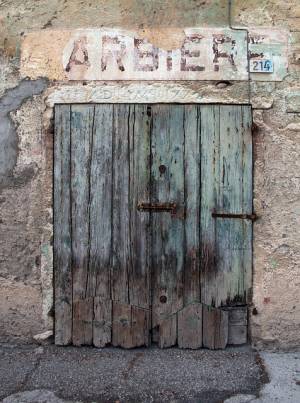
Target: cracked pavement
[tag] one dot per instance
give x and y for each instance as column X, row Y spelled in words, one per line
column 57, row 374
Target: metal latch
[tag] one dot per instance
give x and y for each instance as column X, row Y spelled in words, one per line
column 157, row 207
column 251, row 217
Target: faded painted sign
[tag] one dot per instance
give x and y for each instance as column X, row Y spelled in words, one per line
column 205, row 54
column 114, row 54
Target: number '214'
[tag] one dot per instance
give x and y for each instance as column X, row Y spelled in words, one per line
column 262, row 65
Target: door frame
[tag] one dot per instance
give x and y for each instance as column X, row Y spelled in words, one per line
column 237, row 93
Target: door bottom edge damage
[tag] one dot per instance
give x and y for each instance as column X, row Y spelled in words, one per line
column 105, row 323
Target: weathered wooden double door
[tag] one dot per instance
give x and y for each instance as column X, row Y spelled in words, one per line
column 152, row 222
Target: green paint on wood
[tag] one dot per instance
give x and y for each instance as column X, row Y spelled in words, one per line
column 110, row 158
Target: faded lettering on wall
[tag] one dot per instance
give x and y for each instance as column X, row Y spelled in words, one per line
column 114, row 55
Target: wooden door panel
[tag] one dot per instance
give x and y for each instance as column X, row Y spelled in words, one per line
column 215, row 328
column 117, row 267
column 101, row 240
column 130, row 326
column 81, row 139
column 101, row 204
column 139, row 271
column 62, row 227
column 189, row 321
column 81, row 147
column 167, row 185
column 120, row 207
column 192, row 196
column 102, row 322
column 226, row 187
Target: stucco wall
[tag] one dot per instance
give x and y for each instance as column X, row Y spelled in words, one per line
column 26, row 135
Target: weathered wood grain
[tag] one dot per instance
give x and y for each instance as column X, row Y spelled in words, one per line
column 229, row 240
column 237, row 325
column 210, row 174
column 62, row 227
column 100, row 209
column 233, row 236
column 247, row 205
column 81, row 136
column 168, row 331
column 139, row 269
column 121, row 326
column 81, row 143
column 215, row 328
column 237, row 334
column 130, row 326
column 192, row 193
column 121, row 208
column 109, row 158
column 140, row 326
column 102, row 323
column 226, row 181
column 83, row 322
column 189, row 322
column 167, row 185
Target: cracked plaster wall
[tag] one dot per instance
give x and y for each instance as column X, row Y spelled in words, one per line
column 26, row 156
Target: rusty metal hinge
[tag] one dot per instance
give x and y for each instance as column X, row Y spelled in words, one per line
column 251, row 217
column 157, row 207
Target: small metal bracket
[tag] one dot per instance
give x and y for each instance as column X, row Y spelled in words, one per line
column 251, row 217
column 157, row 207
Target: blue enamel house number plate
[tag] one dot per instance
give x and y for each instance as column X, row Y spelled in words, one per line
column 261, row 66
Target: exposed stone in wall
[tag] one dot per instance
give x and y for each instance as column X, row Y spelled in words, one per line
column 276, row 280
column 24, row 221
column 276, row 235
column 10, row 102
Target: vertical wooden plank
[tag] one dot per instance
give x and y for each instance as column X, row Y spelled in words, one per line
column 81, row 135
column 192, row 204
column 130, row 326
column 226, row 181
column 138, row 276
column 120, row 205
column 232, row 238
column 62, row 227
column 100, row 203
column 190, row 326
column 121, row 326
column 229, row 239
column 237, row 325
column 247, row 204
column 215, row 328
column 83, row 322
column 210, row 175
column 168, row 332
column 139, row 326
column 167, row 185
column 102, row 323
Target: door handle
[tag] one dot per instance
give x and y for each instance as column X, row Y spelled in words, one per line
column 157, row 207
column 251, row 217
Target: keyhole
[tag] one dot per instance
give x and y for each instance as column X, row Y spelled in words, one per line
column 162, row 169
column 163, row 299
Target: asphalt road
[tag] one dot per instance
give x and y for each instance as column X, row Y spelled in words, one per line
column 115, row 375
